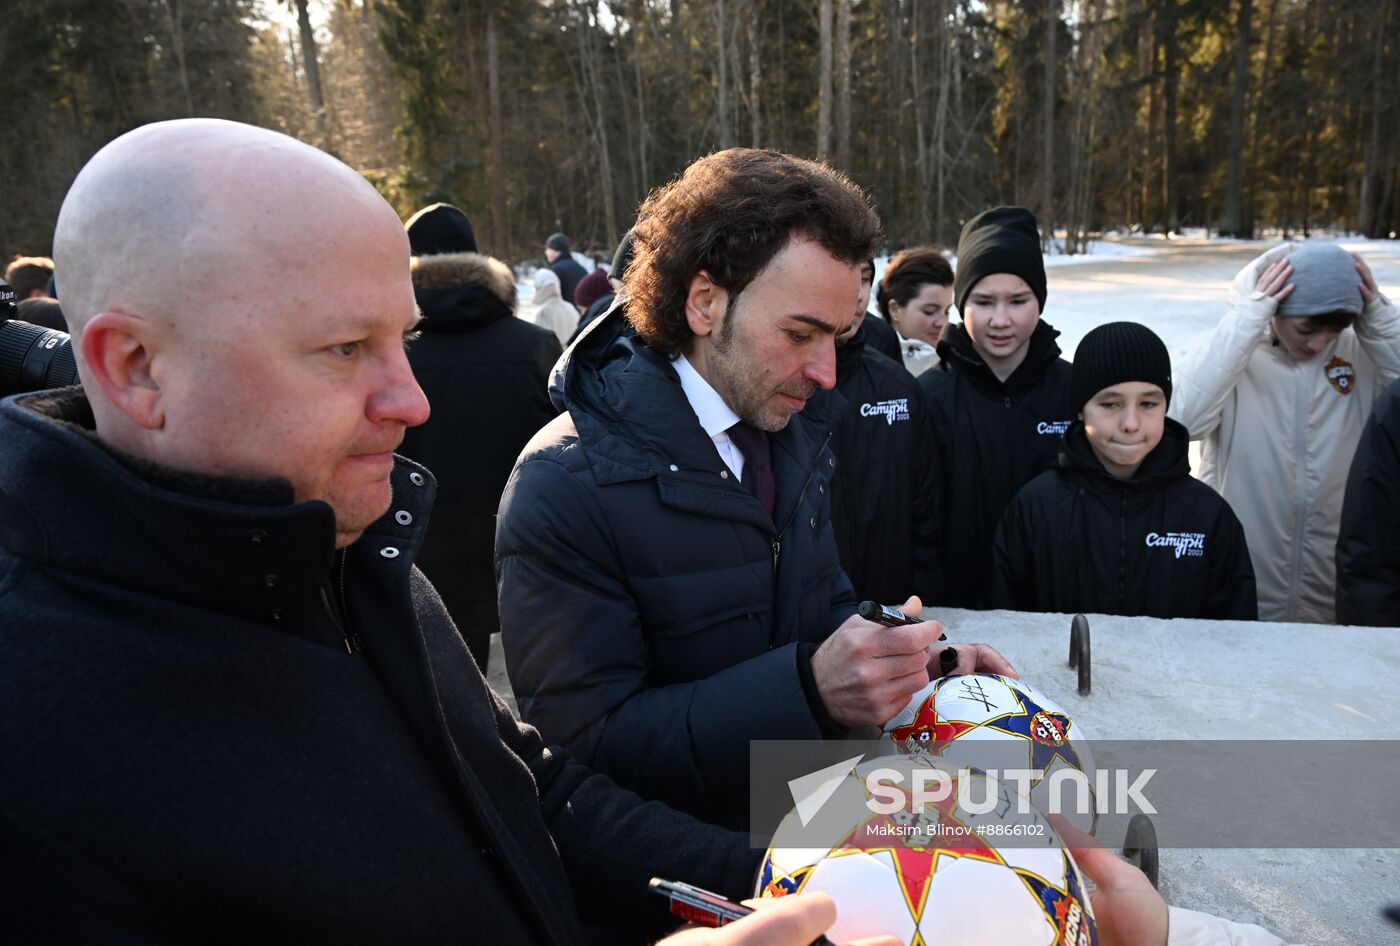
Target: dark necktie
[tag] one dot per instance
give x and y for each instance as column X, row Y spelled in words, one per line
column 758, row 469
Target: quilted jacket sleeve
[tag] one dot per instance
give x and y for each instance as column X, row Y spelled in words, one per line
column 1203, row 382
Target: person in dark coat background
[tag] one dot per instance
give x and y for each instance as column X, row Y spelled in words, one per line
column 486, row 374
column 1368, row 541
column 1120, row 526
column 884, row 493
column 231, row 709
column 562, row 263
column 677, row 516
column 999, row 396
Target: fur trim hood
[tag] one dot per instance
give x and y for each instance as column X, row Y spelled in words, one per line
column 460, row 269
column 461, row 292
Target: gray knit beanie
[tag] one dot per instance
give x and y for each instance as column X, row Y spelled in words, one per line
column 1324, row 280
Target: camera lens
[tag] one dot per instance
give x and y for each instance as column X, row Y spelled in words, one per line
column 33, row 357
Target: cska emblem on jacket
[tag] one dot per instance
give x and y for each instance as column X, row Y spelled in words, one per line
column 1341, row 375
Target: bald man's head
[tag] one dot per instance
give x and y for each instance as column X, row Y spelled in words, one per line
column 174, row 215
column 191, row 358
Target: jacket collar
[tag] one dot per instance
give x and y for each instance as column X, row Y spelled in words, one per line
column 957, row 353
column 462, row 292
column 1169, row 460
column 634, row 422
column 238, row 546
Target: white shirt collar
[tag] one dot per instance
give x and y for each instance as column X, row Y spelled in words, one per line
column 715, row 415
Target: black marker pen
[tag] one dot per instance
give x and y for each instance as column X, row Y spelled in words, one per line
column 890, row 617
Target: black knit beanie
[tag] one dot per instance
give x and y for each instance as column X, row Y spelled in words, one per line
column 1118, row 352
column 440, row 228
column 559, row 242
column 1000, row 240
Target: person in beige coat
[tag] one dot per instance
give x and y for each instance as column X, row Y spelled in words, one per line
column 554, row 313
column 1279, row 393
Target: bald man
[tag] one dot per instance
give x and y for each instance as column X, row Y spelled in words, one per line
column 230, row 708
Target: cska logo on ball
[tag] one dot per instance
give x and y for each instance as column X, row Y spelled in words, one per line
column 1341, row 375
column 928, row 732
column 1051, row 729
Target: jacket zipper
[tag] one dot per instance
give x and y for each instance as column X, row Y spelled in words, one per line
column 1122, row 546
column 777, row 538
column 1300, row 462
column 342, row 620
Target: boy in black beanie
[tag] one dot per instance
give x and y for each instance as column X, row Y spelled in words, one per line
column 999, row 397
column 1120, row 526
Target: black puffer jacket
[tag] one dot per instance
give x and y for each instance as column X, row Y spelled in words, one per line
column 883, row 499
column 1368, row 542
column 1162, row 544
column 486, row 374
column 989, row 439
column 655, row 618
column 192, row 754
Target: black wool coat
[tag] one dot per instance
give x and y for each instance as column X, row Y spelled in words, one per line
column 218, row 729
column 1162, row 544
column 885, row 493
column 990, row 438
column 681, row 617
column 486, row 375
column 1368, row 540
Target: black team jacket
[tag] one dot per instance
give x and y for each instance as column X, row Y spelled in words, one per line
column 217, row 729
column 990, row 438
column 1368, row 541
column 1161, row 544
column 884, row 495
column 486, row 375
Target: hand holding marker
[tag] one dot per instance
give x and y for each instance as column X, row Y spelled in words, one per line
column 893, row 617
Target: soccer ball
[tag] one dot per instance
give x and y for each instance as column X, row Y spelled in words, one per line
column 1014, row 726
column 932, row 872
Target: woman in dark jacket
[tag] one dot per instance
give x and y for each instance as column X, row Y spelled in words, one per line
column 1120, row 526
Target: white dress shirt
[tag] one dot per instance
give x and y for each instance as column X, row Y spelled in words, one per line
column 715, row 415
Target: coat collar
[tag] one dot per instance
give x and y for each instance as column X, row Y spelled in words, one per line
column 956, row 352
column 243, row 547
column 635, row 423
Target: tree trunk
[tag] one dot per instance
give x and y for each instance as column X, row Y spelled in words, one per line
column 723, row 107
column 824, row 83
column 313, row 70
column 843, row 85
column 1369, row 179
column 922, row 165
column 940, row 113
column 500, row 229
column 588, row 37
column 1170, row 81
column 680, row 59
column 1233, row 224
column 1047, row 169
column 755, row 79
column 177, row 42
column 1264, row 94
